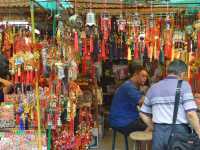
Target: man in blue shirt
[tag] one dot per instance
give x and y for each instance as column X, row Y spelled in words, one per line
column 124, row 115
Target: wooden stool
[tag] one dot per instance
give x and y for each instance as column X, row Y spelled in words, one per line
column 114, row 139
column 141, row 138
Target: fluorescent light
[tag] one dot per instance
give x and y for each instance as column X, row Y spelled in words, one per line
column 14, row 22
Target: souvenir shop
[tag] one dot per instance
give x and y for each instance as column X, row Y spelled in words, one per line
column 65, row 60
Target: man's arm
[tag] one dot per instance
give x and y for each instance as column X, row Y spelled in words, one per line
column 147, row 120
column 194, row 121
column 5, row 82
column 141, row 101
column 6, row 85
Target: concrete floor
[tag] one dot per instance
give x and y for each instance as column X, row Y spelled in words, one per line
column 106, row 142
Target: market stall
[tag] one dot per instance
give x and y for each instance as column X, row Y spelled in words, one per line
column 64, row 76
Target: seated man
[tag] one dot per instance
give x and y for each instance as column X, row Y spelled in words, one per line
column 124, row 115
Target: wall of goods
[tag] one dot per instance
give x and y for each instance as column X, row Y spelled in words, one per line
column 63, row 111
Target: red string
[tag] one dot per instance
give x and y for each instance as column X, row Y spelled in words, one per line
column 91, row 44
column 136, row 52
column 103, row 52
column 76, row 41
column 84, row 66
column 84, row 47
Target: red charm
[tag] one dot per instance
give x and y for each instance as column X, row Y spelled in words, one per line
column 76, row 42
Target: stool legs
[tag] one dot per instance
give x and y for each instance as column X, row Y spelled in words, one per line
column 138, row 145
column 134, row 145
column 114, row 139
column 126, row 142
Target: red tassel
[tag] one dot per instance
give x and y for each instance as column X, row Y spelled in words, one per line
column 84, row 67
column 198, row 40
column 168, row 50
column 22, row 77
column 102, row 24
column 136, row 52
column 92, row 70
column 71, row 127
column 76, row 42
column 91, row 44
column 28, row 77
column 84, row 47
column 103, row 52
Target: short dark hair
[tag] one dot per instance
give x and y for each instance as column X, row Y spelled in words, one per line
column 135, row 67
column 177, row 67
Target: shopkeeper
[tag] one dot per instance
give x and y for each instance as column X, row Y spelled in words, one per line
column 124, row 114
column 4, row 88
column 4, row 72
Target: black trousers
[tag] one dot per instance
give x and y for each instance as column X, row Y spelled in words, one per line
column 137, row 125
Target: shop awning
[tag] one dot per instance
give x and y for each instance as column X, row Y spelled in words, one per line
column 54, row 4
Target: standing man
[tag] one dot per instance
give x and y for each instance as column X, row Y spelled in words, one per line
column 124, row 115
column 158, row 107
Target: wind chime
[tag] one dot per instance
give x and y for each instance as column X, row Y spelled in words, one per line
column 138, row 35
column 195, row 63
column 105, row 29
column 179, row 40
column 121, row 38
column 88, row 45
column 167, row 36
column 133, row 39
column 151, row 36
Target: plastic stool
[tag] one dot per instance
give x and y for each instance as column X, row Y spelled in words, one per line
column 141, row 138
column 114, row 139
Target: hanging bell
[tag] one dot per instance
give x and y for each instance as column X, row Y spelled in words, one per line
column 76, row 21
column 136, row 20
column 121, row 24
column 168, row 23
column 151, row 21
column 90, row 19
column 105, row 16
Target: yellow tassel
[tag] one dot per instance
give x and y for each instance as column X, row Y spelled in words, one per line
column 173, row 54
column 151, row 52
column 129, row 54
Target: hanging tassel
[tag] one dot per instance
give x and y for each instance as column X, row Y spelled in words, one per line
column 16, row 78
column 28, row 78
column 198, row 40
column 91, row 44
column 136, row 52
column 84, row 49
column 103, row 52
column 19, row 73
column 76, row 42
column 151, row 52
column 129, row 54
column 49, row 138
column 155, row 50
column 162, row 56
column 173, row 54
column 71, row 127
column 145, row 56
column 84, row 66
column 21, row 124
column 92, row 70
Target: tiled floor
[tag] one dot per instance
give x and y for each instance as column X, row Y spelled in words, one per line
column 106, row 142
